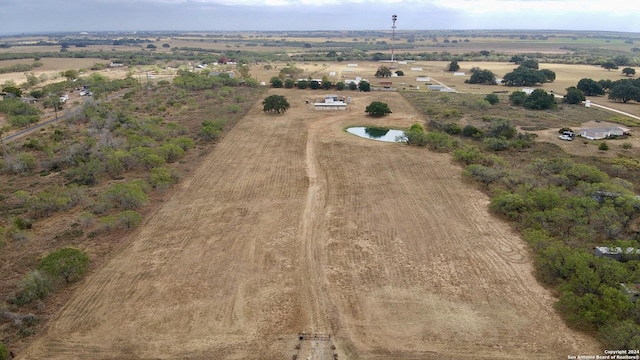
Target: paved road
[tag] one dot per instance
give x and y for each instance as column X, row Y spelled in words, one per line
column 605, row 107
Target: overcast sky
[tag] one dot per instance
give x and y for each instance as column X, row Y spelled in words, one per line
column 27, row 16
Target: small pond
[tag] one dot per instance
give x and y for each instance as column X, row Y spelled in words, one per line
column 376, row 133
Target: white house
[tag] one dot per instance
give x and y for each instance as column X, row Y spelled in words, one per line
column 603, row 132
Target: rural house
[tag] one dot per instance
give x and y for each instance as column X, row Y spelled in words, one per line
column 603, row 132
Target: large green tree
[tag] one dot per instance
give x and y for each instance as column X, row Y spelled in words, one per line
column 624, row 92
column 479, row 76
column 276, row 82
column 590, row 87
column 629, row 71
column 383, row 71
column 573, row 96
column 524, row 76
column 453, row 65
column 540, row 100
column 364, row 86
column 377, row 108
column 610, row 65
column 275, row 103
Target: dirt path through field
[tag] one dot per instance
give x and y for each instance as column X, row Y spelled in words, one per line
column 294, row 225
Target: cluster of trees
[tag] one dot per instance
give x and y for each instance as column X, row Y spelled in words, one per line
column 324, row 83
column 480, row 76
column 528, row 74
column 623, row 90
column 20, row 67
column 498, row 135
column 539, row 99
column 19, row 114
column 384, row 71
column 201, row 80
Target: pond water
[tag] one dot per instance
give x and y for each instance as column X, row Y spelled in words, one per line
column 375, row 133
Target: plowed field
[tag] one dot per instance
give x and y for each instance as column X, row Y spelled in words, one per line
column 294, row 225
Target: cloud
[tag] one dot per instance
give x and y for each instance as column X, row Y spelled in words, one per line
column 233, row 15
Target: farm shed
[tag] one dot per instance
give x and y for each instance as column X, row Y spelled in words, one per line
column 603, row 133
column 423, row 78
column 616, row 253
column 331, row 102
column 330, row 106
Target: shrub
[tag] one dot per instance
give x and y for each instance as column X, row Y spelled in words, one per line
column 502, row 129
column 129, row 219
column 603, row 146
column 416, row 127
column 170, row 152
column 127, row 196
column 211, row 130
column 492, row 99
column 162, row 177
column 67, row 263
column 185, row 143
column 472, row 131
column 34, row 286
column 496, row 144
column 4, row 352
column 517, row 98
column 452, row 129
column 440, row 142
column 418, row 138
column 483, row 174
column 627, row 145
column 451, row 113
column 482, row 104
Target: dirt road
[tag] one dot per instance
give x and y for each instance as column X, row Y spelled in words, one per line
column 294, row 225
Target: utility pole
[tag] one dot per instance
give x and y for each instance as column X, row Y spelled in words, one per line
column 394, row 17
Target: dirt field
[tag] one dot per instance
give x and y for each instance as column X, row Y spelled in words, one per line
column 294, row 225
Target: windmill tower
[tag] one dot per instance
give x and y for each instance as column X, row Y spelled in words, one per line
column 394, row 17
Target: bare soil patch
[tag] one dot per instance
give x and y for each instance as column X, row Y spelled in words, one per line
column 294, row 225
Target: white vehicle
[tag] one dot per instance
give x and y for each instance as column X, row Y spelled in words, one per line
column 567, row 135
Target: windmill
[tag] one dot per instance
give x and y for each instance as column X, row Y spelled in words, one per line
column 394, row 17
